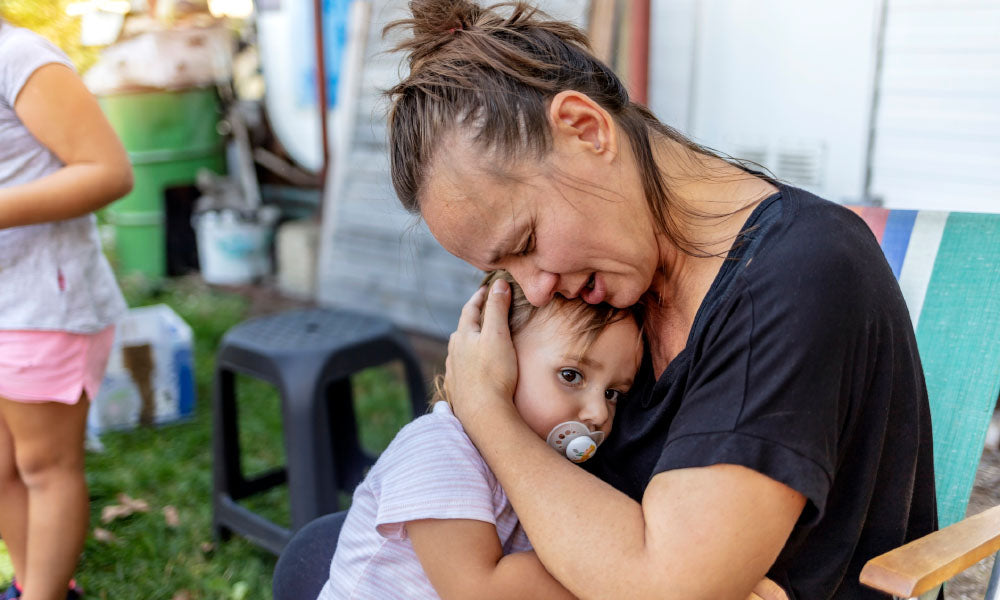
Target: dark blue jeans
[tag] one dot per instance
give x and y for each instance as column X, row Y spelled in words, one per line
column 304, row 564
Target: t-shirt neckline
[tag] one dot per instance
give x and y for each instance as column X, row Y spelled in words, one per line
column 715, row 291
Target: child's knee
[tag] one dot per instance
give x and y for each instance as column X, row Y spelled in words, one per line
column 42, row 468
column 8, row 471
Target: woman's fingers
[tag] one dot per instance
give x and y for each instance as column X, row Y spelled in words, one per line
column 469, row 319
column 497, row 307
column 481, row 363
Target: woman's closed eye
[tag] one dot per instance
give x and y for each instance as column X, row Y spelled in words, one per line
column 528, row 247
column 571, row 376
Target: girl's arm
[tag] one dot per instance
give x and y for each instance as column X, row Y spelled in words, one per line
column 64, row 116
column 699, row 533
column 463, row 559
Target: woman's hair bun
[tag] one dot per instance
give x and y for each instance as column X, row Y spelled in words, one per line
column 437, row 17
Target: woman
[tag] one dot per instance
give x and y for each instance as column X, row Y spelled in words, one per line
column 779, row 425
column 59, row 162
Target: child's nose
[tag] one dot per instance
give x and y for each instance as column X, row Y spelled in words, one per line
column 595, row 413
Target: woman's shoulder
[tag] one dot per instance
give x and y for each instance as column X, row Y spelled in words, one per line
column 816, row 240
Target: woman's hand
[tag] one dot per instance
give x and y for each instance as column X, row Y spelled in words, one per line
column 481, row 369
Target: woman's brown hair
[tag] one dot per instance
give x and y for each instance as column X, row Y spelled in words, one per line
column 493, row 71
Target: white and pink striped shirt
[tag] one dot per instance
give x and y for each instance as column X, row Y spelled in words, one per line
column 431, row 470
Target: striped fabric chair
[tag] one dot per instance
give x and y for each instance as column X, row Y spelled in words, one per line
column 948, row 267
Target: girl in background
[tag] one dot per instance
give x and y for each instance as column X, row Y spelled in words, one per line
column 59, row 162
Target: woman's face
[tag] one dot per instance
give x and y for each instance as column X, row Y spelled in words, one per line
column 575, row 226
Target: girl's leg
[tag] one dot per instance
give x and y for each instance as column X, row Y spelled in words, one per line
column 48, row 442
column 13, row 503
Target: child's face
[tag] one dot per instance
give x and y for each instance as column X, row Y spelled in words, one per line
column 556, row 384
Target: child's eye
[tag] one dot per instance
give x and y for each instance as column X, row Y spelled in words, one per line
column 613, row 395
column 571, row 376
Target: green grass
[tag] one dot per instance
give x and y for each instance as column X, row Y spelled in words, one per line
column 172, row 466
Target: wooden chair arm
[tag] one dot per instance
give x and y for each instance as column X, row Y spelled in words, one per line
column 926, row 563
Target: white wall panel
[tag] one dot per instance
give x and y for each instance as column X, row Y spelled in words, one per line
column 788, row 84
column 937, row 142
column 672, row 38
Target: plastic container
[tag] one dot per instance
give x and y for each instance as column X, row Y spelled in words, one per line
column 232, row 249
column 150, row 374
column 169, row 136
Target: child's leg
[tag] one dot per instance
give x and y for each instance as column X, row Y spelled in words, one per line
column 13, row 503
column 48, row 442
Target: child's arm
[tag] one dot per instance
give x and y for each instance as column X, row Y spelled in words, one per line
column 463, row 559
column 58, row 109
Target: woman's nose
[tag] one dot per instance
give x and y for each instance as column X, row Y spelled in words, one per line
column 595, row 412
column 538, row 286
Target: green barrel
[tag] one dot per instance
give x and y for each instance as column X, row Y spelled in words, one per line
column 169, row 136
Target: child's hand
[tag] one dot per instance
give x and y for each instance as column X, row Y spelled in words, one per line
column 481, row 367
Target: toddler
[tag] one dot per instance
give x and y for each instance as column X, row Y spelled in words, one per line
column 430, row 518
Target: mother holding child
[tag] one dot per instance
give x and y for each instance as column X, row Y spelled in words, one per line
column 778, row 425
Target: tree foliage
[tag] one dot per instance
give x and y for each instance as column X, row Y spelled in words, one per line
column 48, row 18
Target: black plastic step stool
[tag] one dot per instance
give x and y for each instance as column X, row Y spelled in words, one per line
column 309, row 356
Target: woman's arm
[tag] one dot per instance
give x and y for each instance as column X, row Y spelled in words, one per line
column 463, row 560
column 64, row 116
column 709, row 532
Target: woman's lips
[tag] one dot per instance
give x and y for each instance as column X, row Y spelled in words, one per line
column 594, row 294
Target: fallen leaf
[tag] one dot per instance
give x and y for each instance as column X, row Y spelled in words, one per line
column 181, row 595
column 111, row 512
column 136, row 504
column 103, row 535
column 207, row 547
column 126, row 506
column 171, row 516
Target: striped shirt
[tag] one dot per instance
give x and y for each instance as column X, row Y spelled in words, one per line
column 431, row 470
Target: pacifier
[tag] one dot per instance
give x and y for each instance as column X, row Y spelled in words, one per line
column 575, row 440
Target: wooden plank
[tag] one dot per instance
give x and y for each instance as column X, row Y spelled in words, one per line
column 925, row 563
column 602, row 29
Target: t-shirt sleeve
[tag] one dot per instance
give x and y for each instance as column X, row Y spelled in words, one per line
column 434, row 472
column 767, row 385
column 21, row 54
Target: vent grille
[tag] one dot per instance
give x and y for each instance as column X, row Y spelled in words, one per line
column 802, row 164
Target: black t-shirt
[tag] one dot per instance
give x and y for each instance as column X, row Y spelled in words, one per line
column 802, row 365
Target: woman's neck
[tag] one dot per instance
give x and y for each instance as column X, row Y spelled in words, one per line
column 711, row 200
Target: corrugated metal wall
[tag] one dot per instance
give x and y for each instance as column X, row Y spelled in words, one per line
column 374, row 256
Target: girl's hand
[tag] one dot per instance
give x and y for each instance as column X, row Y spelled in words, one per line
column 481, row 369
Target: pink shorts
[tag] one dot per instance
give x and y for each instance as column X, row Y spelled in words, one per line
column 53, row 366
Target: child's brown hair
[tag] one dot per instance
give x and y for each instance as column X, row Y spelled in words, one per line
column 587, row 320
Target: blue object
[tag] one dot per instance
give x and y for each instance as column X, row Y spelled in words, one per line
column 336, row 14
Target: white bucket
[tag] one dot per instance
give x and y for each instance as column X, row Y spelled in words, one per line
column 232, row 250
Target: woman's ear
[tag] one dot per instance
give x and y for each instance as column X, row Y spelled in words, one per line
column 579, row 121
